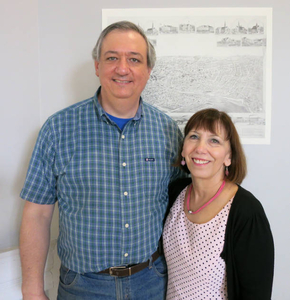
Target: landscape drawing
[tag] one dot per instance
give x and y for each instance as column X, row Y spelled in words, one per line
column 209, row 57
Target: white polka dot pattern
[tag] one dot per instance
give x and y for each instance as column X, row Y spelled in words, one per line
column 192, row 251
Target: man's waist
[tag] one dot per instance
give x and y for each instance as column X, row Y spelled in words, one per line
column 128, row 270
column 95, row 260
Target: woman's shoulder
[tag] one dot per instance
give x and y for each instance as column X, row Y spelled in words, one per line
column 246, row 204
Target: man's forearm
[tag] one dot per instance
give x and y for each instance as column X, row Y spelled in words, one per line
column 34, row 245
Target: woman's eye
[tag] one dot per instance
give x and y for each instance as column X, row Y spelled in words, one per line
column 215, row 141
column 194, row 137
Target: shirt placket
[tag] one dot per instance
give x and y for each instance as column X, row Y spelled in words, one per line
column 125, row 171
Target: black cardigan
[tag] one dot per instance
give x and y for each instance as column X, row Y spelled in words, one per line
column 248, row 249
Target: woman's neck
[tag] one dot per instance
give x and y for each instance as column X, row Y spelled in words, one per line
column 203, row 190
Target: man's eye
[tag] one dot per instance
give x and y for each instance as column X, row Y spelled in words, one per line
column 111, row 58
column 134, row 60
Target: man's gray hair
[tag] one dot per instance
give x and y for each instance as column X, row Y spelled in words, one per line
column 125, row 26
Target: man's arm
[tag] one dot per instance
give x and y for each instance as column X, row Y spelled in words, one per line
column 34, row 244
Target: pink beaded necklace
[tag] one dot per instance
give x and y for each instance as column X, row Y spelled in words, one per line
column 207, row 203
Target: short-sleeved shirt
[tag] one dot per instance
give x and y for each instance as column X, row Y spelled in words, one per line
column 111, row 185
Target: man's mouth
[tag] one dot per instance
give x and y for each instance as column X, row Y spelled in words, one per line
column 121, row 81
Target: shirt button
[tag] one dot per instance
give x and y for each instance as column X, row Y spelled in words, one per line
column 126, row 254
column 127, row 225
column 123, row 137
column 125, row 193
column 124, row 164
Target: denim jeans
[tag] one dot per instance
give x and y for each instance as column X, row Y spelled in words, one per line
column 148, row 284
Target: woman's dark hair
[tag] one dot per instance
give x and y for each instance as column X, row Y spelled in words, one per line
column 211, row 119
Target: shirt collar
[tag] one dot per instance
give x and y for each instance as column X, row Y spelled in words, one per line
column 101, row 111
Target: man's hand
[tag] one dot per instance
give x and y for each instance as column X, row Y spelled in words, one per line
column 34, row 297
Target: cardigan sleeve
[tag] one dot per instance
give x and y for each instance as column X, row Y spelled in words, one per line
column 253, row 251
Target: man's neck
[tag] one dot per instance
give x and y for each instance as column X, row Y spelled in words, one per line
column 119, row 108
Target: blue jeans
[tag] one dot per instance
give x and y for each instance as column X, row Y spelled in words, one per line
column 148, row 284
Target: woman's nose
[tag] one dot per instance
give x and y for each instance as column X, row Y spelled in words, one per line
column 201, row 147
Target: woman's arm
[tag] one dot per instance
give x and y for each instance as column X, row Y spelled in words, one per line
column 254, row 256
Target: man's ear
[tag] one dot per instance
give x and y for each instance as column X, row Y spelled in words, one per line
column 149, row 72
column 97, row 68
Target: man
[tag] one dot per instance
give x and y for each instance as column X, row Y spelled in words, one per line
column 107, row 161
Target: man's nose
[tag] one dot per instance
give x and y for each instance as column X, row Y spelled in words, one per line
column 122, row 67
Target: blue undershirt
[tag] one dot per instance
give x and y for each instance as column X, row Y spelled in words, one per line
column 119, row 121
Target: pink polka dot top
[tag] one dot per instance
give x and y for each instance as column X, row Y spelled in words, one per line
column 192, row 251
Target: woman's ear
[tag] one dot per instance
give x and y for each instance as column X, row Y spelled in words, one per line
column 228, row 160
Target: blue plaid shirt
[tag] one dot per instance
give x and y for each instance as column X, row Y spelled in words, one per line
column 111, row 185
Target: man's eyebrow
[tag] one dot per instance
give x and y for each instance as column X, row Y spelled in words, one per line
column 135, row 53
column 116, row 52
column 110, row 52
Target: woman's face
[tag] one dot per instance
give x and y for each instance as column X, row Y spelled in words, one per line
column 207, row 153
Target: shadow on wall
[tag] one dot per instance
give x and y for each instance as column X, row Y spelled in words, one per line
column 20, row 177
column 81, row 83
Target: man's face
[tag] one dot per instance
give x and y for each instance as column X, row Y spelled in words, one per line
column 122, row 68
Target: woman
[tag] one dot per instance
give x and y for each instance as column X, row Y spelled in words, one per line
column 217, row 239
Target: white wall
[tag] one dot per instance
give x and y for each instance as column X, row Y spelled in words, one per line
column 35, row 84
column 20, row 107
